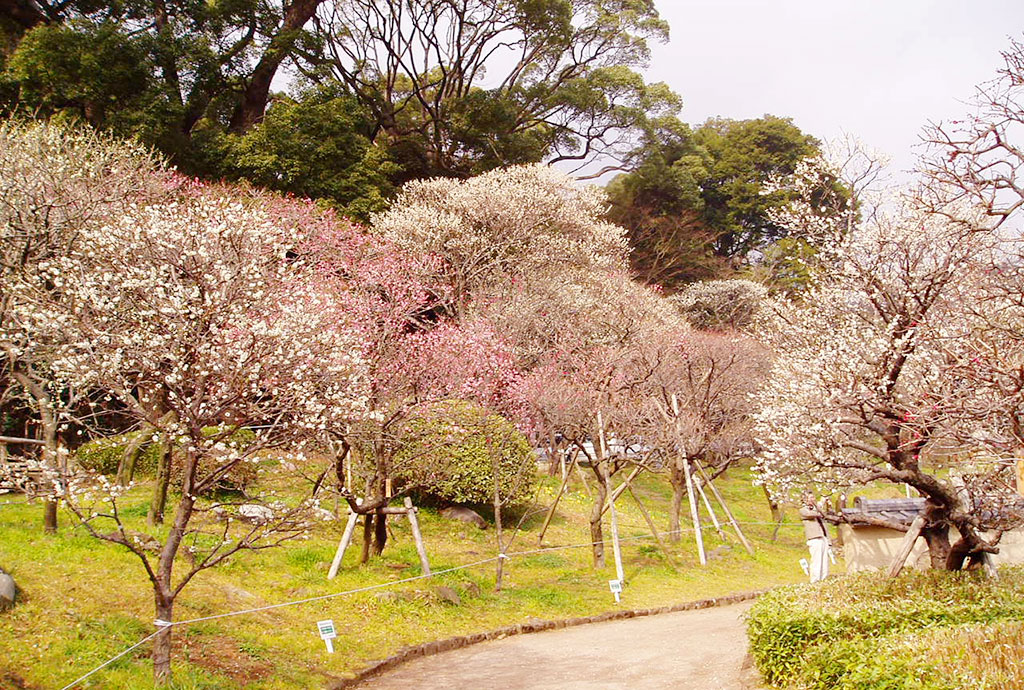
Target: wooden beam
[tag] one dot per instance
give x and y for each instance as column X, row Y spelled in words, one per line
column 728, row 513
column 414, row 522
column 346, row 539
column 558, row 497
column 654, row 530
column 906, row 546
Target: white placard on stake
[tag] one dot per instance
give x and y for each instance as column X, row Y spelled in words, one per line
column 327, row 633
column 616, row 587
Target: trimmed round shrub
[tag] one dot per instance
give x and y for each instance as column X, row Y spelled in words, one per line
column 450, row 450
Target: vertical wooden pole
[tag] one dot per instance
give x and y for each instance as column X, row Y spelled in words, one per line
column 414, row 522
column 616, row 549
column 346, row 538
column 694, row 514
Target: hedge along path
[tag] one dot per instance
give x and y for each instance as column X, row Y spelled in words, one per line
column 613, row 615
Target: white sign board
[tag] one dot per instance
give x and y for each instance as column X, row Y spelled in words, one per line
column 327, row 633
column 616, row 587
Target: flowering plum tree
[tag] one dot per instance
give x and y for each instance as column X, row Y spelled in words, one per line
column 197, row 319
column 55, row 181
column 862, row 388
column 503, row 227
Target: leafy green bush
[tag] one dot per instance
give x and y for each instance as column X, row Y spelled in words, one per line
column 103, row 456
column 450, row 449
column 840, row 634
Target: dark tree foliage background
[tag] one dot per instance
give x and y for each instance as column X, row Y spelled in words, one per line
column 376, row 93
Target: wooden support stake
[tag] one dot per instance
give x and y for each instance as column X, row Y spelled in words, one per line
column 551, row 510
column 906, row 546
column 622, row 487
column 346, row 539
column 616, row 549
column 694, row 515
column 415, row 523
column 728, row 513
column 583, row 478
column 707, row 504
column 654, row 530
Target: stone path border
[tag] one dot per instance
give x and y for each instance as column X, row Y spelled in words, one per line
column 446, row 645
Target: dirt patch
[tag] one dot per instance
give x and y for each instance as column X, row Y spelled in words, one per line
column 224, row 656
column 12, row 681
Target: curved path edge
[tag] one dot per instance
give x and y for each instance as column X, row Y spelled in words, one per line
column 438, row 646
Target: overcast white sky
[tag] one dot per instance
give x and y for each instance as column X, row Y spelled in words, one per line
column 877, row 69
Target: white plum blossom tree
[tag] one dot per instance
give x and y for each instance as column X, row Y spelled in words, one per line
column 863, row 388
column 198, row 317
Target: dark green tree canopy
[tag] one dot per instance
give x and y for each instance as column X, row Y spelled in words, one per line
column 698, row 200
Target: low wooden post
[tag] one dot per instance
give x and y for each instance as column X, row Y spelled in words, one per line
column 906, row 546
column 410, row 510
column 346, row 539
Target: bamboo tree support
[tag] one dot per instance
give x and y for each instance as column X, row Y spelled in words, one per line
column 622, row 487
column 654, row 530
column 551, row 510
column 906, row 546
column 414, row 522
column 707, row 505
column 346, row 539
column 694, row 514
column 616, row 548
column 728, row 513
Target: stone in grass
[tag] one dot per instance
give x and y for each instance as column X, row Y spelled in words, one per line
column 464, row 514
column 447, row 594
column 8, row 591
column 472, row 589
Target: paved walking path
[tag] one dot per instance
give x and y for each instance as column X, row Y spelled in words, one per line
column 688, row 650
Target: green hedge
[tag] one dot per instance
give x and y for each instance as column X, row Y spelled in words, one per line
column 448, row 452
column 843, row 633
column 103, row 456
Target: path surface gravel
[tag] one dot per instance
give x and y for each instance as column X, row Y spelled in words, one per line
column 689, row 650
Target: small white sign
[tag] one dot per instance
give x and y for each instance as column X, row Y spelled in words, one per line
column 616, row 587
column 327, row 633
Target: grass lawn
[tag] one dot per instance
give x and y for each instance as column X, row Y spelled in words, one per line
column 85, row 601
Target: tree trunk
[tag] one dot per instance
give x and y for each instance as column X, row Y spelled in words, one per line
column 776, row 512
column 162, row 642
column 367, row 538
column 380, row 532
column 675, row 527
column 163, row 479
column 48, row 433
column 130, row 457
column 937, row 537
column 163, row 591
column 253, row 101
column 596, row 531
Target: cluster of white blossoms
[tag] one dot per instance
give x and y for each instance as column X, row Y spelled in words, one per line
column 508, row 222
column 198, row 299
column 860, row 383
